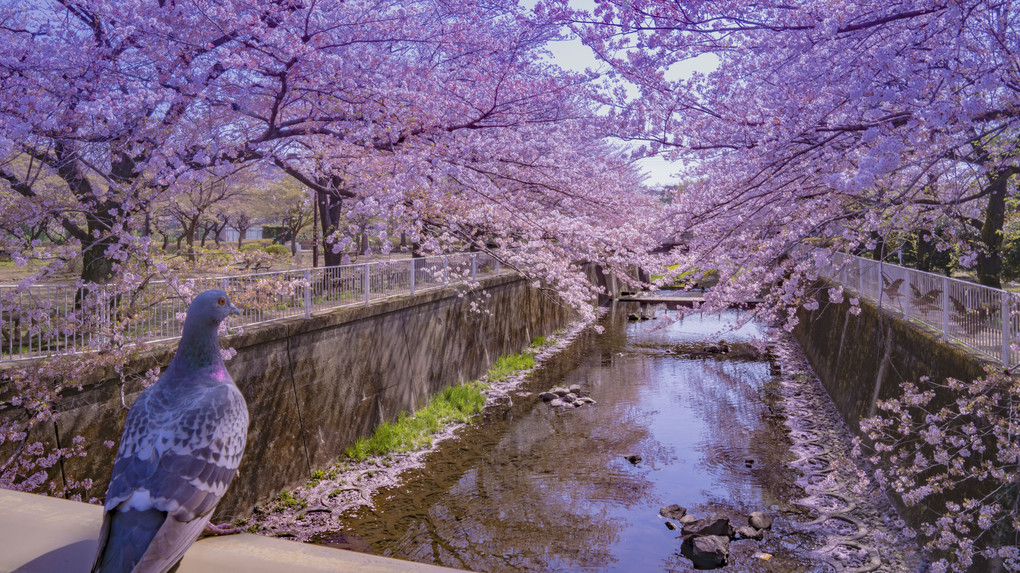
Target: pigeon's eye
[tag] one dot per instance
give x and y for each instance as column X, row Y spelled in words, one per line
column 222, row 301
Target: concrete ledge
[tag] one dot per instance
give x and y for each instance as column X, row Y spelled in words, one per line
column 40, row 534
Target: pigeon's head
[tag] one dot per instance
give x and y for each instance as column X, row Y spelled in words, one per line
column 212, row 306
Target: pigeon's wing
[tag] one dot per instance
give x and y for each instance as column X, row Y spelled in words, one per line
column 176, row 458
column 171, row 542
column 124, row 538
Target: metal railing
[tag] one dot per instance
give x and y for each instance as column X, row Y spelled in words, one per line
column 45, row 320
column 983, row 318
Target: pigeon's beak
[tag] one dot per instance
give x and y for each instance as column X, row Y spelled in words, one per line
column 234, row 310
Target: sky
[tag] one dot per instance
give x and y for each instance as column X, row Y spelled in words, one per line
column 574, row 55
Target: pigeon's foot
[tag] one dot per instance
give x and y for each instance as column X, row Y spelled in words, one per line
column 221, row 529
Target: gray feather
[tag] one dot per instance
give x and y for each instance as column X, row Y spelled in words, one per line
column 181, row 446
column 127, row 536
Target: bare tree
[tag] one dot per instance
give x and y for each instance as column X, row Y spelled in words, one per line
column 191, row 207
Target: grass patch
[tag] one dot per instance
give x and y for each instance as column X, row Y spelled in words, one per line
column 286, row 499
column 509, row 365
column 454, row 404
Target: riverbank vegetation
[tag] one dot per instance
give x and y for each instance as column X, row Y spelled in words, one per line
column 456, row 404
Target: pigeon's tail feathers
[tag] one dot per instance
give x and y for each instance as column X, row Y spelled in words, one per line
column 170, row 543
column 125, row 536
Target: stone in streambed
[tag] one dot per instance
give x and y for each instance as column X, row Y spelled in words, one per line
column 748, row 532
column 709, row 526
column 759, row 520
column 707, row 552
column 673, row 511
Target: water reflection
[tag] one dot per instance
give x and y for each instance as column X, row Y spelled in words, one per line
column 532, row 488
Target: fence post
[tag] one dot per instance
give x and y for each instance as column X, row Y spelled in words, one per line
column 1005, row 329
column 446, row 270
column 860, row 277
column 945, row 306
column 906, row 297
column 368, row 283
column 474, row 266
column 497, row 267
column 881, row 291
column 412, row 274
column 308, row 293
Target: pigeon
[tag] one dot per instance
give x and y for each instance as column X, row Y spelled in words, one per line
column 181, row 446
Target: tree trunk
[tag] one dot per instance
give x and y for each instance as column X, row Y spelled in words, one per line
column 924, row 251
column 989, row 261
column 189, row 239
column 879, row 251
column 329, row 217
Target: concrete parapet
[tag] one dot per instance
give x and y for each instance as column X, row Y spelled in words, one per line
column 50, row 535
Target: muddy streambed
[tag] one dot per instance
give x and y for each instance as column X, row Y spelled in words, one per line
column 536, row 488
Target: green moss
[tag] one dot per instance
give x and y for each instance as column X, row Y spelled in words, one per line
column 414, row 432
column 286, row 499
column 539, row 342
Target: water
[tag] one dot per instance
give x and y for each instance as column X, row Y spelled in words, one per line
column 532, row 488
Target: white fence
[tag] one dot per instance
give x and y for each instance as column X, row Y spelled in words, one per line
column 983, row 318
column 45, row 320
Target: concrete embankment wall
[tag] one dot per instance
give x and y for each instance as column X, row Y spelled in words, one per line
column 315, row 385
column 865, row 358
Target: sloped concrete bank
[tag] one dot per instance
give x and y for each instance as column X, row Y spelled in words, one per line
column 315, row 385
column 862, row 359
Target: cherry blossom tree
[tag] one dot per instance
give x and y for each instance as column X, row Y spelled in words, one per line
column 441, row 117
column 839, row 125
column 835, row 121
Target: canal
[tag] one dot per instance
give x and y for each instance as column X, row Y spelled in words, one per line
column 687, row 411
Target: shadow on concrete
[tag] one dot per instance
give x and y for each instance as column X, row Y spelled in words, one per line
column 68, row 558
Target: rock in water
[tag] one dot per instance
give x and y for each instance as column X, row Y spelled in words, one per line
column 708, row 552
column 673, row 511
column 708, row 526
column 181, row 446
column 759, row 520
column 748, row 532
